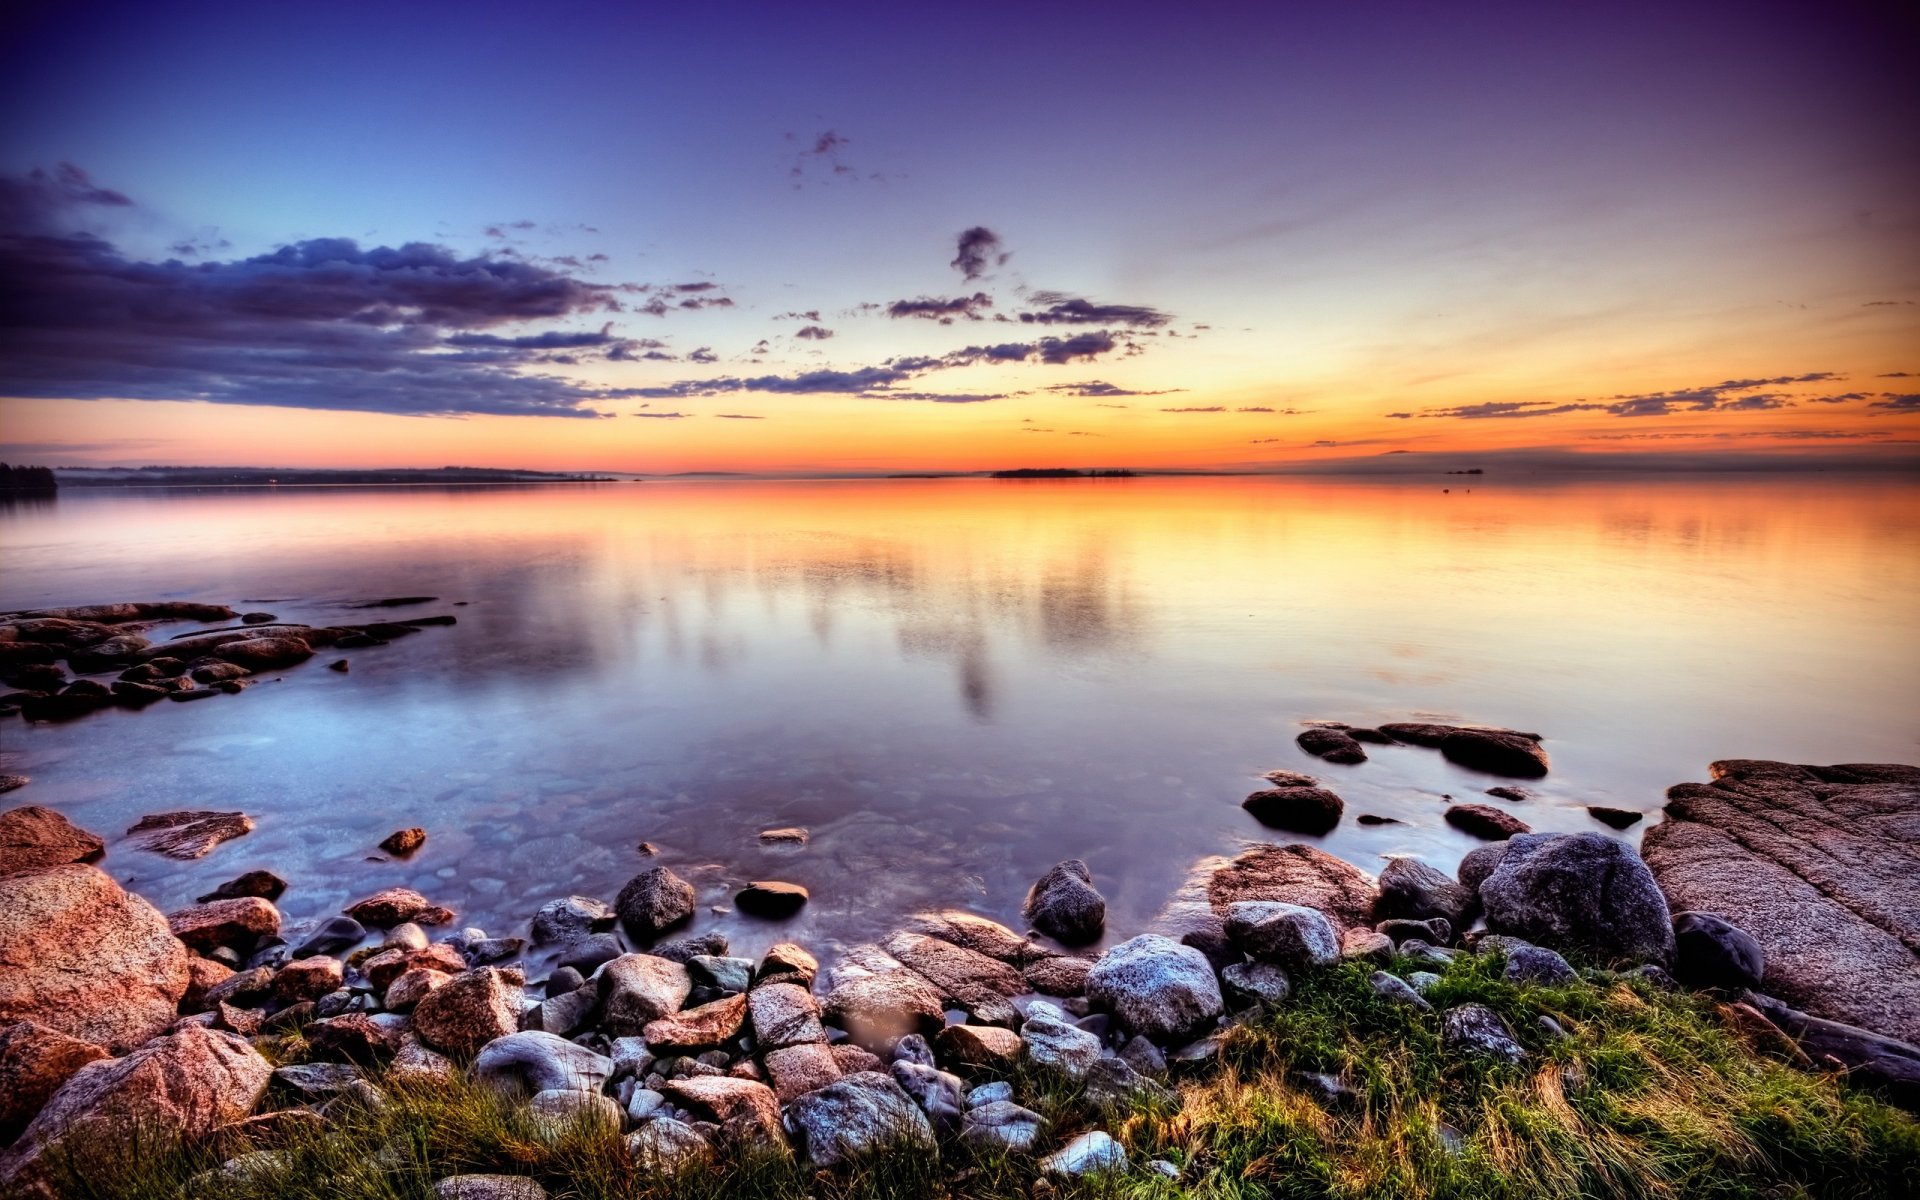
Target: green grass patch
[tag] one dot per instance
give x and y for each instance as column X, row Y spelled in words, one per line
column 1648, row 1094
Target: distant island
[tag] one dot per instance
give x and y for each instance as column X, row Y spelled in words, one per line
column 1060, row 473
column 157, row 476
column 26, row 479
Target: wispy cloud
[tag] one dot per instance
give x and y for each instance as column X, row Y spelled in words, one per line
column 928, row 308
column 1100, row 387
column 1061, row 309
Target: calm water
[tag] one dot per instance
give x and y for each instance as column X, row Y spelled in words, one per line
column 955, row 683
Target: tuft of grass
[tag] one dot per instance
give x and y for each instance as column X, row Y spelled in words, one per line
column 1648, row 1094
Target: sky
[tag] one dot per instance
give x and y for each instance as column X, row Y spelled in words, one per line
column 882, row 237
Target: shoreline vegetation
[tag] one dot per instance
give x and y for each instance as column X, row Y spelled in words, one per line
column 1559, row 1018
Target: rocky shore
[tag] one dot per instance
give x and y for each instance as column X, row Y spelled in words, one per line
column 1786, row 892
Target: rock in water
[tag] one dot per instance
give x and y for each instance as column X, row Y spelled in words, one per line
column 34, row 1062
column 1064, row 904
column 40, row 837
column 856, row 1116
column 1614, row 818
column 653, row 901
column 1496, row 751
column 1583, row 890
column 1156, row 987
column 404, row 841
column 188, row 835
column 184, row 1085
column 1298, row 808
column 1821, row 866
column 82, row 956
column 1485, row 821
column 1709, row 952
column 390, row 907
column 772, row 900
column 264, row 884
column 1333, row 745
column 1412, row 890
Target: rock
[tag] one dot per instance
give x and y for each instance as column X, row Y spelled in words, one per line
column 1054, row 1045
column 316, row 1081
column 653, row 901
column 137, row 695
column 1535, row 964
column 83, row 957
column 1256, row 983
column 709, row 1025
column 408, row 936
column 856, row 1116
column 263, row 653
column 638, row 988
column 1156, row 987
column 938, row 1094
column 1485, row 821
column 187, row 835
column 488, row 1187
column 181, row 1086
column 569, row 920
column 414, row 1060
column 404, row 841
column 785, row 962
column 1496, row 751
column 1333, row 745
column 1003, row 1126
column 1398, row 990
column 249, row 987
column 470, row 1010
column 217, row 672
column 791, row 835
column 1114, row 1084
column 1709, row 952
column 1614, row 818
column 796, row 1070
column 783, row 1015
column 1058, row 975
column 1365, row 945
column 334, row 935
column 1144, row 1057
column 1423, row 981
column 965, row 978
column 1476, row 1031
column 1478, row 864
column 876, row 1010
column 409, row 988
column 388, row 965
column 529, row 1062
column 1875, row 1060
column 564, row 1110
column 34, row 1062
column 1421, row 954
column 746, row 1110
column 116, row 651
column 1302, row 807
column 1295, row 874
column 1413, row 890
column 264, row 884
column 203, row 974
column 1583, row 890
column 352, row 1037
column 774, row 901
column 681, row 949
column 307, row 979
column 977, row 1046
column 33, row 836
column 722, row 974
column 225, row 922
column 667, row 1146
column 1092, row 1153
column 1515, row 794
column 1292, row 936
column 1820, row 865
column 390, row 906
column 1435, row 930
column 1064, row 904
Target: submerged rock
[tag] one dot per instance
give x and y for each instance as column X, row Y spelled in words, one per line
column 1065, row 905
column 1614, row 818
column 192, row 834
column 404, row 841
column 264, row 884
column 1485, row 821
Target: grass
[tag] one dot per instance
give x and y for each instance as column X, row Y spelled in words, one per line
column 1649, row 1094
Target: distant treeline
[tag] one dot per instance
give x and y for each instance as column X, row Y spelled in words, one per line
column 1061, row 473
column 272, row 476
column 26, row 479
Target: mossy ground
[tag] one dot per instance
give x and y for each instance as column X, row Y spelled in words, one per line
column 1649, row 1094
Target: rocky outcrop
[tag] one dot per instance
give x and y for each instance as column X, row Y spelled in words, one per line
column 965, row 978
column 1296, row 874
column 1581, row 890
column 82, row 956
column 33, row 836
column 181, row 1086
column 1821, row 865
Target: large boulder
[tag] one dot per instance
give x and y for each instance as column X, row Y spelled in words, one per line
column 82, row 956
column 181, row 1086
column 784, row 1014
column 638, row 988
column 1156, row 988
column 34, row 1062
column 1711, row 952
column 1064, row 904
column 1583, row 890
column 470, row 1010
column 1413, row 890
column 1291, row 936
column 653, row 901
column 1821, row 866
column 530, row 1062
column 857, row 1116
column 389, row 907
column 218, row 923
column 33, row 836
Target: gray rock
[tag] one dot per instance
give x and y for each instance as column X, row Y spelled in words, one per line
column 1002, row 1125
column 1201, row 1051
column 334, row 935
column 668, row 1146
column 1413, row 890
column 315, row 1081
column 989, row 1093
column 1421, row 954
column 569, row 920
column 1113, row 1083
column 1476, row 1031
column 1535, row 964
column 631, row 1058
column 569, row 1012
column 1156, row 987
column 1478, row 864
column 585, row 953
column 1256, row 983
column 1292, row 936
column 488, row 1187
column 564, row 980
column 941, row 1096
column 1435, row 930
column 530, row 1061
column 1422, row 981
column 1163, row 1168
column 644, row 1105
column 913, row 1048
column 1582, row 890
column 1064, row 904
column 724, row 975
column 681, row 949
column 1051, row 1043
column 1392, row 987
column 653, row 901
column 1092, row 1153
column 1144, row 1057
column 855, row 1116
column 1709, row 952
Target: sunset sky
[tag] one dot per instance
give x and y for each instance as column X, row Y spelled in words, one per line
column 852, row 237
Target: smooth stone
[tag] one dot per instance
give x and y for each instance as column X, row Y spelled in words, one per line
column 1306, row 809
column 1001, row 1125
column 529, row 1062
column 1536, row 964
column 771, row 899
column 1092, row 1153
column 668, row 1145
column 989, row 1093
column 940, row 1095
column 1413, row 890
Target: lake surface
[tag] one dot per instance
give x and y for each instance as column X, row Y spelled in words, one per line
column 953, row 684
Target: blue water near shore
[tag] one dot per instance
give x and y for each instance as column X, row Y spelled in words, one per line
column 954, row 683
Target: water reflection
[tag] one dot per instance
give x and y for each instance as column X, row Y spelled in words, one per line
column 953, row 683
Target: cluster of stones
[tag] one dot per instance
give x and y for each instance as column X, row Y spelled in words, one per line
column 105, row 640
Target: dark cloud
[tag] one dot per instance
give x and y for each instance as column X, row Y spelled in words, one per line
column 978, row 250
column 1886, row 303
column 1052, row 350
column 739, row 417
column 1211, row 408
column 1900, row 404
column 664, row 416
column 1712, row 397
column 1895, row 375
column 1100, row 387
column 814, row 333
column 704, row 354
column 1061, row 309
column 941, row 397
column 823, row 160
column 812, row 314
column 928, row 308
column 323, row 323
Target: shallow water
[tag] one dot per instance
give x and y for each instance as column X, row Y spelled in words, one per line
column 955, row 683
